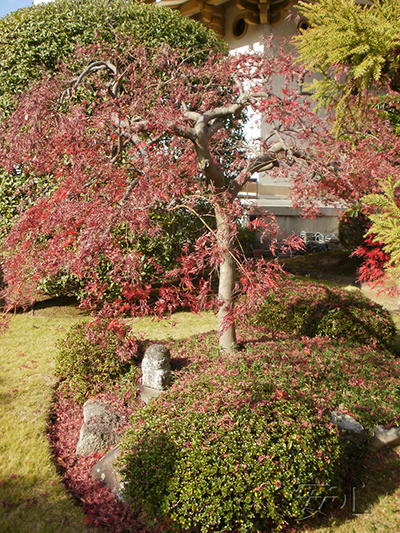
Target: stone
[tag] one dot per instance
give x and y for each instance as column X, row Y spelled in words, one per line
column 156, row 367
column 98, row 431
column 353, row 432
column 106, row 472
column 96, row 411
column 146, row 393
column 385, row 437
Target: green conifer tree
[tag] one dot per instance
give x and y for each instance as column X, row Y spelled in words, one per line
column 351, row 47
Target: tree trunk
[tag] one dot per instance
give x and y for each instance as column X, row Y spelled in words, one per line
column 227, row 334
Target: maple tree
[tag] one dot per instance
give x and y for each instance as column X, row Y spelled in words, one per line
column 34, row 41
column 138, row 130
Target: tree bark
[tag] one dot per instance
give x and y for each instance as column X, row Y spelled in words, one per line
column 227, row 272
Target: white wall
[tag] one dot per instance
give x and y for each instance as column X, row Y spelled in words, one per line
column 254, row 34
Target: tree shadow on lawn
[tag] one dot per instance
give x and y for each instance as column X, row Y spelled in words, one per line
column 372, row 478
column 26, row 503
column 55, row 307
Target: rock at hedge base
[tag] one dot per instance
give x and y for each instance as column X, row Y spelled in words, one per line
column 385, row 437
column 99, row 430
column 106, row 472
column 353, row 432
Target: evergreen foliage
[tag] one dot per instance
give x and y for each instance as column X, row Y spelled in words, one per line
column 37, row 39
column 355, row 51
column 93, row 357
column 351, row 46
column 309, row 309
column 386, row 221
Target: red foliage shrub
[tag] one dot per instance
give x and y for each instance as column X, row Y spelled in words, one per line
column 99, row 503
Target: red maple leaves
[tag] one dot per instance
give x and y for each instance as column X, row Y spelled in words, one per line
column 140, row 131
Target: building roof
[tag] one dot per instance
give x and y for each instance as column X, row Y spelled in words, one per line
column 211, row 13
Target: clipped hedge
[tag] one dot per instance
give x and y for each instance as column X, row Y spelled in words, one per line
column 311, row 309
column 237, row 440
column 93, row 357
column 221, row 455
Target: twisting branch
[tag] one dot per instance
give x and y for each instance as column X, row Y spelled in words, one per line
column 226, row 111
column 300, row 81
column 239, row 87
column 261, row 164
column 285, row 147
column 129, row 191
column 95, row 65
column 215, row 126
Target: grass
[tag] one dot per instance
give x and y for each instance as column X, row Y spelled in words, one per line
column 32, row 499
column 180, row 326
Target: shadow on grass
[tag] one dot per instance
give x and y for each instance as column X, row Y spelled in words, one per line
column 372, row 478
column 27, row 504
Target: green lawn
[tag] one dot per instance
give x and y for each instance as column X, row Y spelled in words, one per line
column 32, row 497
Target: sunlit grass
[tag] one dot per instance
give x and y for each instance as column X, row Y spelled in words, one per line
column 32, row 499
column 180, row 326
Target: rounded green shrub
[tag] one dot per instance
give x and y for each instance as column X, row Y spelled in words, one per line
column 352, row 227
column 311, row 309
column 237, row 441
column 93, row 357
column 39, row 38
column 225, row 450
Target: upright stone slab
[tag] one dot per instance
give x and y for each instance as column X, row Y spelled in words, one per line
column 385, row 437
column 106, row 472
column 156, row 367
